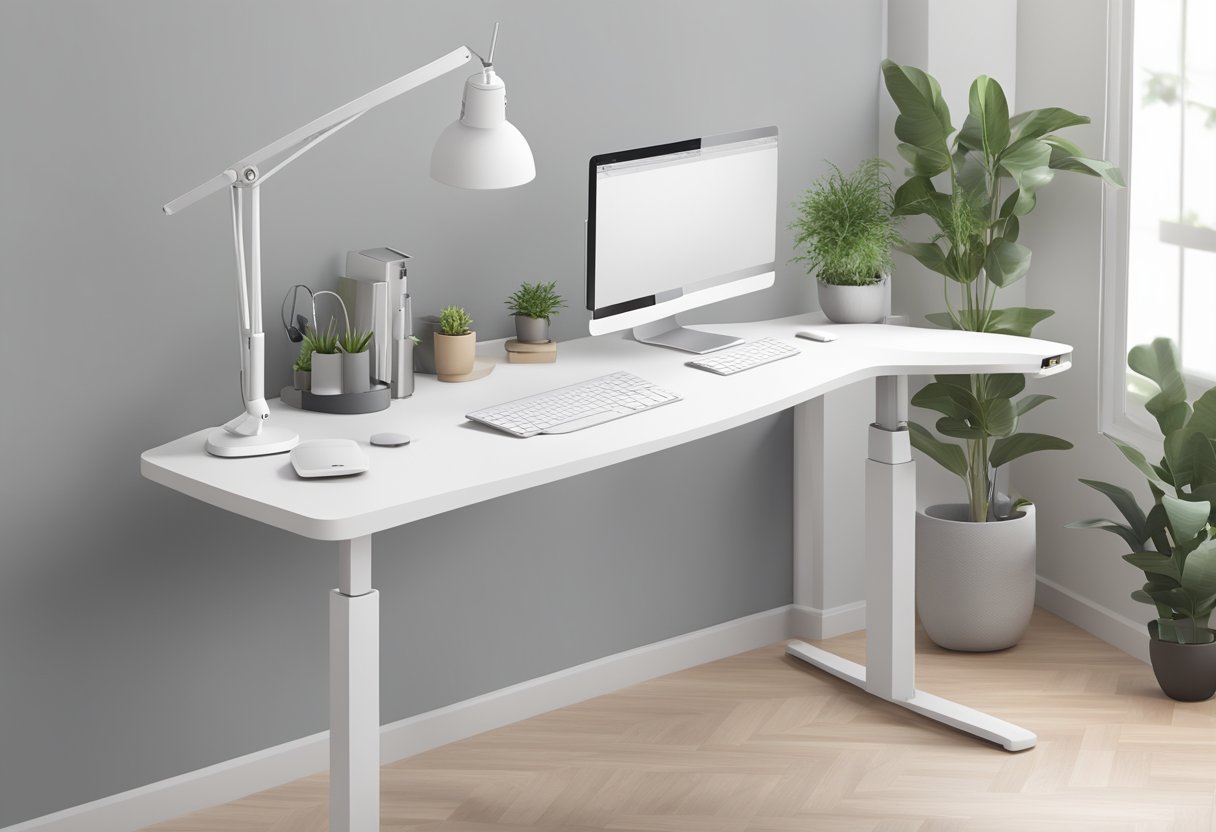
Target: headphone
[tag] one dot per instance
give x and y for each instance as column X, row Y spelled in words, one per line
column 297, row 325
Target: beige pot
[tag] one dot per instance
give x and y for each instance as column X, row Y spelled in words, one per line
column 454, row 354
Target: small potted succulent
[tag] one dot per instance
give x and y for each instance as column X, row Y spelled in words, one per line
column 533, row 304
column 326, row 361
column 301, row 368
column 356, row 361
column 846, row 232
column 1174, row 542
column 455, row 344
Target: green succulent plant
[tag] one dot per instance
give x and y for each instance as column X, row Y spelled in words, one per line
column 845, row 228
column 303, row 362
column 325, row 342
column 355, row 341
column 1174, row 542
column 535, row 300
column 995, row 166
column 453, row 320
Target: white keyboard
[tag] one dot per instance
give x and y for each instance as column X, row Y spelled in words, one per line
column 744, row 356
column 578, row 406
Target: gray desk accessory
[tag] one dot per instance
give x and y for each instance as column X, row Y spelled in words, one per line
column 390, row 440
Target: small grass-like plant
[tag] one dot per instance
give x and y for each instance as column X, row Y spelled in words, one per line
column 354, row 341
column 844, row 228
column 325, row 342
column 303, row 362
column 453, row 320
column 535, row 300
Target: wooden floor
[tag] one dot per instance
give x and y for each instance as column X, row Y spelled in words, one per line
column 762, row 743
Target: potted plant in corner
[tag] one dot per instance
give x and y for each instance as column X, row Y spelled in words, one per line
column 1174, row 543
column 846, row 231
column 975, row 562
column 356, row 361
column 533, row 304
column 455, row 344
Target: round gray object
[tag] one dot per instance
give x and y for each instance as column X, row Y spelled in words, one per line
column 390, row 440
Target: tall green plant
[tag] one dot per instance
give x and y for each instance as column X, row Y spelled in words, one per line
column 994, row 168
column 1174, row 543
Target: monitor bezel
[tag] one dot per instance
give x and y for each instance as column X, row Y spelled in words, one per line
column 651, row 151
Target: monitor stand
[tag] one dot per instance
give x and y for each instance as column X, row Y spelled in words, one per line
column 667, row 332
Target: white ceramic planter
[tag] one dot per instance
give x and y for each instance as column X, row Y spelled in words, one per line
column 974, row 581
column 326, row 373
column 854, row 304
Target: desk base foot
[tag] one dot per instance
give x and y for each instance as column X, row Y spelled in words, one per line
column 977, row 723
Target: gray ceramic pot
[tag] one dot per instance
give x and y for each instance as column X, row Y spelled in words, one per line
column 854, row 304
column 326, row 373
column 302, row 379
column 531, row 330
column 356, row 372
column 1186, row 672
column 974, row 581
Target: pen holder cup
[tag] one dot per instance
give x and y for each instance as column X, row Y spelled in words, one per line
column 326, row 374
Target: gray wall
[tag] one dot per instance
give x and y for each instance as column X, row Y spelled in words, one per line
column 142, row 634
column 1065, row 233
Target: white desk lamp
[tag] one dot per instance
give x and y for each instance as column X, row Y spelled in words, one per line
column 480, row 150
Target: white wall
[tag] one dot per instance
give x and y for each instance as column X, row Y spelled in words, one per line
column 1062, row 62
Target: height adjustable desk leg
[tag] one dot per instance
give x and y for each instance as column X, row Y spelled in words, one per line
column 890, row 671
column 354, row 693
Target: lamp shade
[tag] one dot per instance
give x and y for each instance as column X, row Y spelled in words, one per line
column 482, row 150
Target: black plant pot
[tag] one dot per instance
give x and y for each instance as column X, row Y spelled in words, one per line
column 1186, row 672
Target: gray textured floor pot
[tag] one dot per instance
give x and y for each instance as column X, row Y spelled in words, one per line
column 853, row 304
column 1186, row 672
column 974, row 581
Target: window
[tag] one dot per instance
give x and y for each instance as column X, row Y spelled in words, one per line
column 1161, row 231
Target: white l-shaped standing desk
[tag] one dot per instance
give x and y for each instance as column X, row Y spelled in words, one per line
column 408, row 484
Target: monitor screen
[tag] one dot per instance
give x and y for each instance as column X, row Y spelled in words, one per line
column 671, row 220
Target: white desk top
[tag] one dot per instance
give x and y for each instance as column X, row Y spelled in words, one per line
column 452, row 462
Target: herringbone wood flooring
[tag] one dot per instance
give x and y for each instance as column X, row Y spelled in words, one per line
column 762, row 743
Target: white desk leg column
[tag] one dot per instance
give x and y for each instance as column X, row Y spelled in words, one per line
column 890, row 671
column 354, row 693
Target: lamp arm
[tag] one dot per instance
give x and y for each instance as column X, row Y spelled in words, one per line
column 323, row 127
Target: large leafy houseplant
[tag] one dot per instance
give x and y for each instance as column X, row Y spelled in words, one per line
column 993, row 169
column 1174, row 543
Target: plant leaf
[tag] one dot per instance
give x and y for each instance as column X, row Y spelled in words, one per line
column 959, row 429
column 1027, row 162
column 1135, row 457
column 1154, row 563
column 918, row 196
column 1029, row 403
column 1006, row 262
column 941, row 319
column 1127, row 505
column 987, row 125
column 1186, row 518
column 924, row 118
column 930, row 256
column 1017, row 320
column 1199, row 574
column 1003, row 385
column 924, row 161
column 1034, row 124
column 946, row 454
column 938, row 397
column 1159, row 362
column 1012, row 447
column 1111, row 526
column 1204, row 417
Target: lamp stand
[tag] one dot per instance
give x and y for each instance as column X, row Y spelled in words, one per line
column 249, row 434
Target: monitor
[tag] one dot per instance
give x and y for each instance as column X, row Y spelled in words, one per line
column 678, row 226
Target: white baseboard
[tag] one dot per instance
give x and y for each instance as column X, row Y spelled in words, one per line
column 814, row 624
column 271, row 767
column 1119, row 631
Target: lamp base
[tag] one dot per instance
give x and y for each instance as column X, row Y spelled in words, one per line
column 270, row 441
